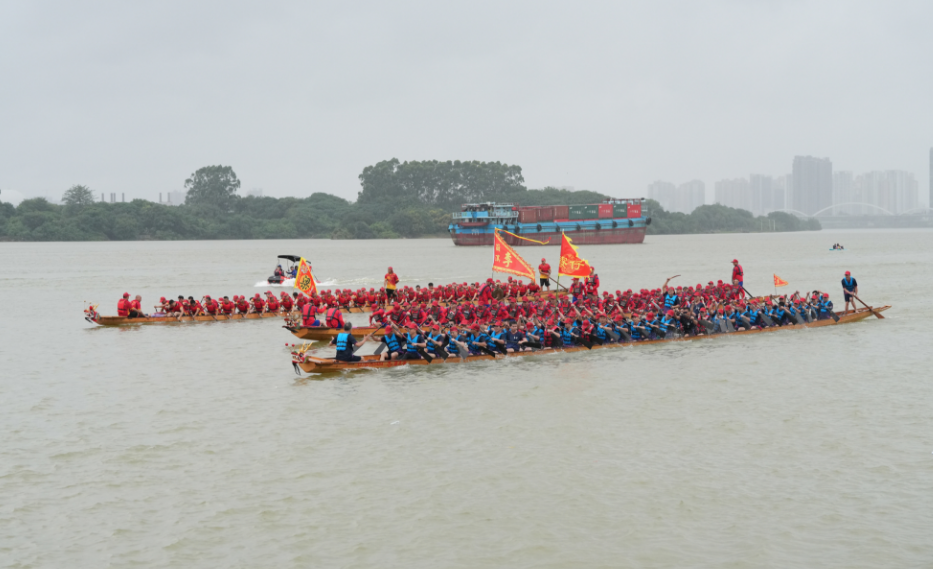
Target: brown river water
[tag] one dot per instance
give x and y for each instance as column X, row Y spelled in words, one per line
column 196, row 445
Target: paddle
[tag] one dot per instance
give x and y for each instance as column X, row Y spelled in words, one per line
column 440, row 351
column 877, row 314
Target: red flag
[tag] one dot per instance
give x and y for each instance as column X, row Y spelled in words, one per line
column 571, row 264
column 506, row 260
column 778, row 281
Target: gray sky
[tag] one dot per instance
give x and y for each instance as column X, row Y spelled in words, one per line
column 298, row 97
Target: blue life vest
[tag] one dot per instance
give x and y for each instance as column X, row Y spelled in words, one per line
column 826, row 306
column 392, row 343
column 566, row 336
column 635, row 332
column 670, row 300
column 600, row 333
column 752, row 316
column 410, row 343
column 473, row 340
column 667, row 324
column 342, row 341
column 452, row 347
column 433, row 347
column 848, row 283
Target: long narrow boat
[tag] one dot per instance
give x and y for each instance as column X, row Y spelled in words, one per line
column 126, row 321
column 311, row 364
column 91, row 315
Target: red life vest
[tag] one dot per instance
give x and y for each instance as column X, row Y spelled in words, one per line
column 332, row 319
column 307, row 315
column 123, row 308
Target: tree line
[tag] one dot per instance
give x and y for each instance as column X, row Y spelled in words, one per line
column 397, row 200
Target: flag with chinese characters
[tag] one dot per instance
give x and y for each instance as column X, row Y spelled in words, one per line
column 571, row 264
column 506, row 260
column 778, row 281
column 304, row 280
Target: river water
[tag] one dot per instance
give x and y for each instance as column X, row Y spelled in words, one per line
column 195, row 445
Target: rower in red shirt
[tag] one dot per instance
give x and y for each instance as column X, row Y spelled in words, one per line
column 123, row 305
column 286, row 302
column 242, row 306
column 484, row 295
column 272, row 303
column 258, row 304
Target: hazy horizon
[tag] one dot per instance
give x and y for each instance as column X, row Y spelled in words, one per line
column 610, row 97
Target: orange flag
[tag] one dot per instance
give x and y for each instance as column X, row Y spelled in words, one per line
column 304, row 281
column 778, row 281
column 571, row 264
column 506, row 260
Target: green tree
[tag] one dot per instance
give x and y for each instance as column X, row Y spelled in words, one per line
column 78, row 195
column 213, row 188
column 446, row 185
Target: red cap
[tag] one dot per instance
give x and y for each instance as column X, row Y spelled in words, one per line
column 670, row 312
column 435, row 327
column 848, row 273
column 825, row 295
column 543, row 261
column 126, row 295
column 735, row 260
column 390, row 268
column 162, row 299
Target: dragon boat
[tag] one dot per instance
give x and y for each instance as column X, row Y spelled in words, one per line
column 302, row 361
column 91, row 315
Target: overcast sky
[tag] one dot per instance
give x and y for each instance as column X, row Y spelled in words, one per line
column 299, row 97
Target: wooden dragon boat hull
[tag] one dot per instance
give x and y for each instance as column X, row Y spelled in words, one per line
column 125, row 321
column 311, row 364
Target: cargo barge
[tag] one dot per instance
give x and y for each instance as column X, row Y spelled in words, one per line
column 611, row 222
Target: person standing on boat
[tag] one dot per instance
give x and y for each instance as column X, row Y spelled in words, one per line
column 545, row 271
column 346, row 344
column 390, row 282
column 576, row 289
column 591, row 285
column 738, row 275
column 849, row 287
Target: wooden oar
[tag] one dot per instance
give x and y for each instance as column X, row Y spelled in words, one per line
column 873, row 311
column 558, row 284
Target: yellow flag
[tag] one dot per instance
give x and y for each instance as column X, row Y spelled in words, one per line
column 304, row 280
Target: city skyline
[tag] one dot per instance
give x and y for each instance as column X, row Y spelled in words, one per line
column 815, row 187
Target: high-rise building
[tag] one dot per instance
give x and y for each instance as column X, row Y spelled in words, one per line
column 690, row 195
column 683, row 198
column 664, row 193
column 761, row 193
column 813, row 185
column 894, row 191
column 846, row 193
column 733, row 193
